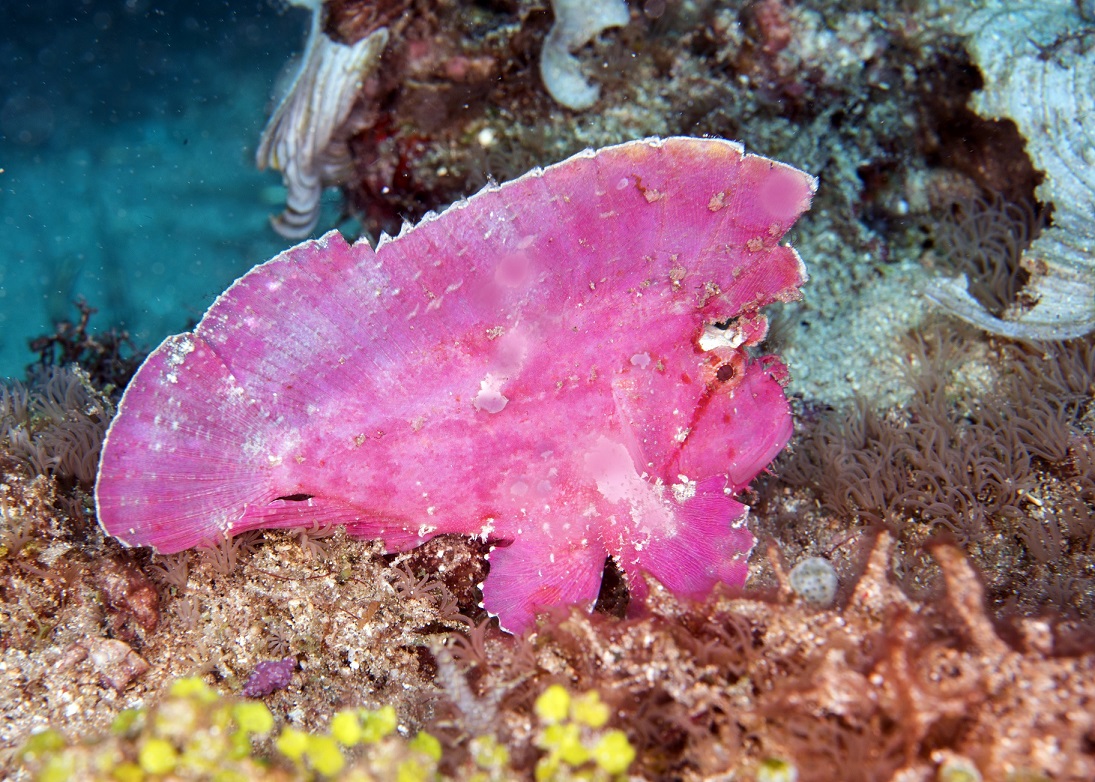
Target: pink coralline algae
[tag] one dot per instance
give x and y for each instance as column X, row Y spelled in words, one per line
column 538, row 366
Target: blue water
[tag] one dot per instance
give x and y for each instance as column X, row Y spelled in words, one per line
column 127, row 137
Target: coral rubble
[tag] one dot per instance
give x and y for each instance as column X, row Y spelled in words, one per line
column 879, row 687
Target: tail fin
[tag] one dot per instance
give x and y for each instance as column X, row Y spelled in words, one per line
column 177, row 458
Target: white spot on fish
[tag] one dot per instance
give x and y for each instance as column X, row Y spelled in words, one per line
column 490, row 398
column 685, row 490
column 714, row 337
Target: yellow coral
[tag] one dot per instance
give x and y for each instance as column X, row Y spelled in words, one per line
column 378, row 724
column 613, row 752
column 292, row 743
column 428, row 745
column 324, row 755
column 253, row 717
column 158, row 756
column 588, row 710
column 346, row 728
column 572, row 738
column 553, row 704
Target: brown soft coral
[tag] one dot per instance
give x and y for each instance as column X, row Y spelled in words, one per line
column 55, row 424
column 987, row 465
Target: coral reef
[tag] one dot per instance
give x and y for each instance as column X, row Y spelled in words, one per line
column 55, row 423
column 866, row 100
column 195, row 733
column 984, row 237
column 878, row 687
column 109, row 358
column 1001, row 463
column 922, row 606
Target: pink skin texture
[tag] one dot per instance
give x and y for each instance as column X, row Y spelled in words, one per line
column 535, row 365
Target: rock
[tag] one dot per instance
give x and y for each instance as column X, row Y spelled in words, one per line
column 118, row 665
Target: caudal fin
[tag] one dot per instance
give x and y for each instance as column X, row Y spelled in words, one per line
column 175, row 471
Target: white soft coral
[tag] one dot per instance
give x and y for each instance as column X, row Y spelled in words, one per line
column 577, row 22
column 306, row 138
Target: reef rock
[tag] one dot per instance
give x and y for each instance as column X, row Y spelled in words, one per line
column 537, row 365
column 1039, row 66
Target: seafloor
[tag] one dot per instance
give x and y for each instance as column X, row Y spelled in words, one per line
column 947, row 475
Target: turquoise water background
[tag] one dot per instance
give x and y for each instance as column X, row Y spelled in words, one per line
column 127, row 137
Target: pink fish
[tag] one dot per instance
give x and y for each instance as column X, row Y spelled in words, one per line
column 536, row 365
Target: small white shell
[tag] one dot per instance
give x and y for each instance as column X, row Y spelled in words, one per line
column 814, row 579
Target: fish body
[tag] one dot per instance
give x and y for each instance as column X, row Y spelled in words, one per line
column 535, row 365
